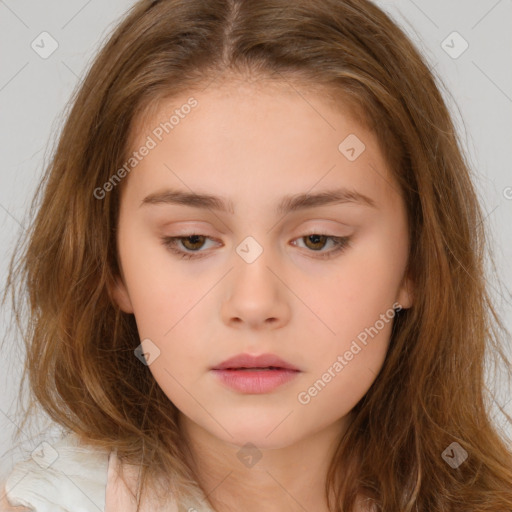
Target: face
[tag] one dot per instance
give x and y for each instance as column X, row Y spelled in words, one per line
column 309, row 279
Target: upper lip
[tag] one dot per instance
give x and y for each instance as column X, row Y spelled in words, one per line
column 250, row 361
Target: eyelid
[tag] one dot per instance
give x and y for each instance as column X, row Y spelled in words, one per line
column 340, row 244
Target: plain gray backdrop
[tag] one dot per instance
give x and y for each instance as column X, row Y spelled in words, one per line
column 34, row 91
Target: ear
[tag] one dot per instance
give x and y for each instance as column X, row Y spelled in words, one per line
column 119, row 294
column 406, row 293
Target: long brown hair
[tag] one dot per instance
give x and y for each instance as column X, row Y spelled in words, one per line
column 431, row 391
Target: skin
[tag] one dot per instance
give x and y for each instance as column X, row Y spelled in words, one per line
column 253, row 143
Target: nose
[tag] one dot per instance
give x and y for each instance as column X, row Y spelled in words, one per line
column 257, row 296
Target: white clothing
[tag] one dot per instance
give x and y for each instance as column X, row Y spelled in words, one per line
column 68, row 476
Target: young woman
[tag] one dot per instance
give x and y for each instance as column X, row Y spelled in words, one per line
column 256, row 276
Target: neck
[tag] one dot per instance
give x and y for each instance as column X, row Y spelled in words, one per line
column 287, row 478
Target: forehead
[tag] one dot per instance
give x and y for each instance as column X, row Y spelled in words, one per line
column 276, row 133
column 237, row 88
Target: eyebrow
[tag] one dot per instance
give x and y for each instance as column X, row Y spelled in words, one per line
column 288, row 204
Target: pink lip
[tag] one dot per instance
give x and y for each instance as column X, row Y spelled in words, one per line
column 255, row 374
column 255, row 381
column 249, row 361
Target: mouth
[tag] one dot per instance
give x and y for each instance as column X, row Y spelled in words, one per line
column 249, row 374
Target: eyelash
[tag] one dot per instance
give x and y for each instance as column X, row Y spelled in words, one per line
column 340, row 243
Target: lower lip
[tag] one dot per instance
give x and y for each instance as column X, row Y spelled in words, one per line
column 255, row 381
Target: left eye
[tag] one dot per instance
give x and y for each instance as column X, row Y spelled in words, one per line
column 194, row 242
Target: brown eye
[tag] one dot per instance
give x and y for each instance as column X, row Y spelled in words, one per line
column 191, row 245
column 196, row 242
column 317, row 241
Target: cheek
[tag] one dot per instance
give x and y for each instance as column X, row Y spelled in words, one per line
column 353, row 292
column 160, row 293
column 353, row 319
column 344, row 370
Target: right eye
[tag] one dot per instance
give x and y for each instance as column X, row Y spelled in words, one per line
column 195, row 241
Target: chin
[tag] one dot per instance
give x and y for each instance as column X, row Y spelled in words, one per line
column 264, row 436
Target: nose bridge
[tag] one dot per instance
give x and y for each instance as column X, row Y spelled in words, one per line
column 253, row 281
column 255, row 295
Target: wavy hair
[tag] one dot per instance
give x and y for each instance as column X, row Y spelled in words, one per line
column 431, row 391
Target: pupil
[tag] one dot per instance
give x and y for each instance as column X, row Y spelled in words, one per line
column 315, row 239
column 193, row 239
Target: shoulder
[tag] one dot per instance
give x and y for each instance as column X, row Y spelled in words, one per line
column 5, row 506
column 58, row 476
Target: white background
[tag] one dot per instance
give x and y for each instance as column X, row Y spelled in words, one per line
column 34, row 91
